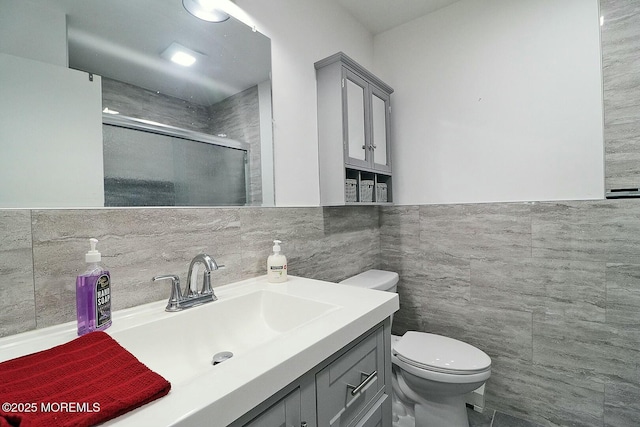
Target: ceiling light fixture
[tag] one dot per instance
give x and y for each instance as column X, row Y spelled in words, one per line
column 183, row 58
column 180, row 55
column 207, row 10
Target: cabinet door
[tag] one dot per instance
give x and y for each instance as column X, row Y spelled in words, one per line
column 349, row 385
column 284, row 413
column 380, row 130
column 355, row 128
column 375, row 417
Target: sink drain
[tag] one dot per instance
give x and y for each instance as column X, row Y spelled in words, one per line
column 221, row 357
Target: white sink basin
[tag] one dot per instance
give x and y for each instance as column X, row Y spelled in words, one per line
column 238, row 324
column 277, row 333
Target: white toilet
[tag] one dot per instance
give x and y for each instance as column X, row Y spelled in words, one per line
column 431, row 373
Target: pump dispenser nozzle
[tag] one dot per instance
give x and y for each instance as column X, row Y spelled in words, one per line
column 276, row 246
column 93, row 255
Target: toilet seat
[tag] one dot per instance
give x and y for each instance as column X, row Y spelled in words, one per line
column 436, row 353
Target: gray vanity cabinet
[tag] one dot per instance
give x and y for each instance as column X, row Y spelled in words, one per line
column 285, row 412
column 354, row 133
column 351, row 388
column 353, row 383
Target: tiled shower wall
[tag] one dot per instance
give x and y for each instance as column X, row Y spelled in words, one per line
column 238, row 117
column 551, row 291
column 43, row 250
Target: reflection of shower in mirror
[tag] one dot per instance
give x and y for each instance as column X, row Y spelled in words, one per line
column 149, row 164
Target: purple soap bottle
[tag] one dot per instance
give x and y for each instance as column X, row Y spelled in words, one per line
column 93, row 294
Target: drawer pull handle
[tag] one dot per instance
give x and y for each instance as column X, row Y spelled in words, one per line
column 363, row 384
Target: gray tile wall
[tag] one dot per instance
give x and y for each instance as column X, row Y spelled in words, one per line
column 621, row 78
column 43, row 250
column 551, row 291
column 17, row 303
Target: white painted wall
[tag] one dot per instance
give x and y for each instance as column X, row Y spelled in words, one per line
column 496, row 100
column 42, row 164
column 302, row 32
column 33, row 31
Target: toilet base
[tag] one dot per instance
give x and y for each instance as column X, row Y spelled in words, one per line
column 447, row 412
column 432, row 414
column 411, row 410
column 401, row 417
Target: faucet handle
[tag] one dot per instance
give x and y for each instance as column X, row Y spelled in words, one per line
column 176, row 293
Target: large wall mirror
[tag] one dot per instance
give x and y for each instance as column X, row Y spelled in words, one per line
column 94, row 112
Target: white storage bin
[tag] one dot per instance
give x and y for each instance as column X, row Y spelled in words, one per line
column 351, row 190
column 381, row 192
column 366, row 190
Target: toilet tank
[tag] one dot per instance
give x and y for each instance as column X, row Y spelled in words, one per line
column 374, row 279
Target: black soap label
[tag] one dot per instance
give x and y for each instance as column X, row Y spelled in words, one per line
column 103, row 300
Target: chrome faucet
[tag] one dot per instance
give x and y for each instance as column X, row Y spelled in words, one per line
column 192, row 297
column 192, row 278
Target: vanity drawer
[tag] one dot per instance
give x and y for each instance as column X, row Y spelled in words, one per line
column 350, row 385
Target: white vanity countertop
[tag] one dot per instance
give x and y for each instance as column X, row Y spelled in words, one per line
column 218, row 395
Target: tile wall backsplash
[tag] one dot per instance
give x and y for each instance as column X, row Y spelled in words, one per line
column 43, row 251
column 17, row 303
column 551, row 291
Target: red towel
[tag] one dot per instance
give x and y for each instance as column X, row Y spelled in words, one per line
column 84, row 382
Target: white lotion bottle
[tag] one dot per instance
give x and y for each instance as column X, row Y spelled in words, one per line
column 276, row 265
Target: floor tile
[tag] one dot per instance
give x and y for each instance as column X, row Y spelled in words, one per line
column 504, row 420
column 477, row 419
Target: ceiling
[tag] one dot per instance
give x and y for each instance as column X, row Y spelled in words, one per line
column 124, row 39
column 381, row 15
column 113, row 38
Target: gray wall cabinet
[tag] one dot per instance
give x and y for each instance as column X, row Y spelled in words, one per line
column 354, row 133
column 352, row 388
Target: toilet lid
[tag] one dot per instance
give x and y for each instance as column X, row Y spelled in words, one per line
column 441, row 354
